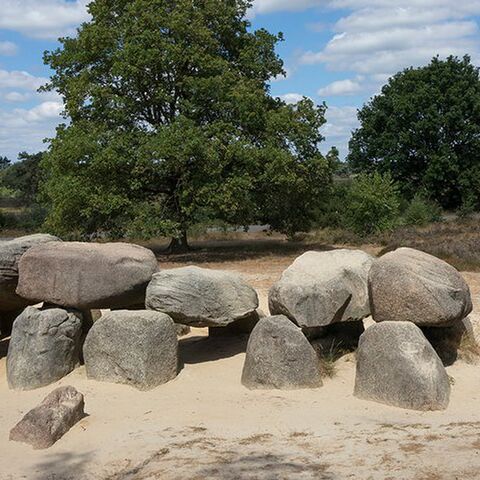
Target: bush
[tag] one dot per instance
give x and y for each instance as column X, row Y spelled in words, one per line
column 373, row 204
column 421, row 211
column 331, row 212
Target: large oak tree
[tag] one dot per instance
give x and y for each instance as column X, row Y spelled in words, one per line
column 172, row 123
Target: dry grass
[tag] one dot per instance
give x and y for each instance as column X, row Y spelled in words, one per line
column 456, row 242
column 469, row 350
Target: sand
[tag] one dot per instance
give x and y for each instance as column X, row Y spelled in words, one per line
column 205, row 425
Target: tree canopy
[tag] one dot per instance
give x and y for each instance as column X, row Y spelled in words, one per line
column 23, row 177
column 424, row 128
column 172, row 123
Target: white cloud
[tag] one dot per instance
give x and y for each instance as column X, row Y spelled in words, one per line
column 15, row 97
column 268, row 6
column 291, row 97
column 382, row 37
column 8, row 48
column 341, row 88
column 24, row 129
column 341, row 122
column 20, row 80
column 43, row 18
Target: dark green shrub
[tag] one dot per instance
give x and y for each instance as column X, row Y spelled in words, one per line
column 421, row 211
column 373, row 204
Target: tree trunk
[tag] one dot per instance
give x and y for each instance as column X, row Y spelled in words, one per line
column 179, row 245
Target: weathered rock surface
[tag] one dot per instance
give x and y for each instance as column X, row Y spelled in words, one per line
column 48, row 422
column 201, row 297
column 86, row 275
column 411, row 286
column 44, row 347
column 243, row 326
column 138, row 348
column 396, row 365
column 321, row 288
column 280, row 357
column 10, row 253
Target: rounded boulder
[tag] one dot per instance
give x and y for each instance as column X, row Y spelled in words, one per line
column 321, row 288
column 86, row 275
column 408, row 285
column 201, row 297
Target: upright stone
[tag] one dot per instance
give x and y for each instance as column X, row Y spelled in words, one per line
column 138, row 348
column 321, row 288
column 412, row 286
column 47, row 423
column 280, row 357
column 44, row 347
column 201, row 297
column 86, row 275
column 396, row 365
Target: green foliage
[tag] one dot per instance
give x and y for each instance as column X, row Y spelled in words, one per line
column 424, row 128
column 421, row 211
column 373, row 203
column 172, row 123
column 4, row 162
column 22, row 179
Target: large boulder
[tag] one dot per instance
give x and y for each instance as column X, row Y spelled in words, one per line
column 47, row 423
column 10, row 253
column 412, row 286
column 44, row 347
column 280, row 357
column 86, row 275
column 138, row 348
column 321, row 288
column 201, row 297
column 396, row 365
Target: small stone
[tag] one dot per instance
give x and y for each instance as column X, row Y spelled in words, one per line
column 48, row 422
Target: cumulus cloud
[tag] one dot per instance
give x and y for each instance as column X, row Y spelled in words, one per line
column 382, row 37
column 341, row 122
column 291, row 97
column 8, row 48
column 15, row 97
column 20, row 80
column 268, row 6
column 341, row 88
column 43, row 18
column 24, row 129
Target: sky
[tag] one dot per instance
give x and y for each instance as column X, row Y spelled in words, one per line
column 336, row 51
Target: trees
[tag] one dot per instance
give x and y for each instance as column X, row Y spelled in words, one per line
column 4, row 162
column 24, row 177
column 424, row 128
column 172, row 123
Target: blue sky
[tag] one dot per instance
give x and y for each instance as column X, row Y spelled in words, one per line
column 337, row 51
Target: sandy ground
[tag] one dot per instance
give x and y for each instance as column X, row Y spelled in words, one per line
column 205, row 425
